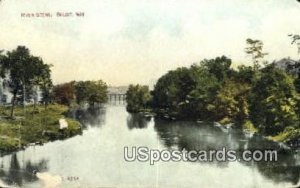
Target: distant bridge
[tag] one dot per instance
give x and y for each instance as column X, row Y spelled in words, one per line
column 116, row 95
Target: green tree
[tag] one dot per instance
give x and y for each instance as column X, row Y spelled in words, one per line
column 81, row 91
column 2, row 68
column 295, row 40
column 97, row 92
column 172, row 88
column 23, row 69
column 42, row 82
column 244, row 74
column 297, row 84
column 189, row 92
column 137, row 98
column 255, row 49
column 273, row 104
column 91, row 92
column 231, row 103
column 220, row 67
column 45, row 83
column 200, row 98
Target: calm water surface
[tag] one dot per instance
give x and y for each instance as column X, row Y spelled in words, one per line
column 96, row 158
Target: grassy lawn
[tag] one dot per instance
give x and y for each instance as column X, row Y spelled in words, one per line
column 39, row 125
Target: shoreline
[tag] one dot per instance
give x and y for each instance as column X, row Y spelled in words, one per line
column 286, row 140
column 39, row 126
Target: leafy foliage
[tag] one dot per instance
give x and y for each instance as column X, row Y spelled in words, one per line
column 190, row 92
column 91, row 92
column 64, row 93
column 231, row 102
column 25, row 71
column 295, row 40
column 82, row 92
column 274, row 101
column 264, row 100
column 137, row 98
column 255, row 49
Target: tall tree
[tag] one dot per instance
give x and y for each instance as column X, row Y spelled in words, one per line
column 255, row 49
column 44, row 82
column 295, row 40
column 23, row 69
column 200, row 99
column 274, row 101
column 2, row 59
column 81, row 92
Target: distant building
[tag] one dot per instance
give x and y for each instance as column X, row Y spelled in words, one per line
column 6, row 96
column 289, row 65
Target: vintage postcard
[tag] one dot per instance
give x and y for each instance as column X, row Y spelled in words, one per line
column 149, row 93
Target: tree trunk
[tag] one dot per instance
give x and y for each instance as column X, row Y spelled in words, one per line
column 13, row 104
column 35, row 100
column 24, row 99
column 46, row 104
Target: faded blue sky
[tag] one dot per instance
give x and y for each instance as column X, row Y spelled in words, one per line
column 136, row 41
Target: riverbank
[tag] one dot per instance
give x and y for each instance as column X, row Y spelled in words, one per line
column 38, row 126
column 290, row 136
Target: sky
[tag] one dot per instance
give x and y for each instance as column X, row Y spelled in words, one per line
column 136, row 41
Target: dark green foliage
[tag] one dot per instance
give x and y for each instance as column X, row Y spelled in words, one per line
column 244, row 74
column 297, row 84
column 25, row 71
column 202, row 95
column 137, row 98
column 219, row 67
column 295, row 40
column 97, row 92
column 173, row 88
column 91, row 92
column 2, row 59
column 190, row 92
column 259, row 99
column 274, row 101
column 231, row 103
column 81, row 90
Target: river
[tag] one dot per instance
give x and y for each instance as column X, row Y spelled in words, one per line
column 96, row 158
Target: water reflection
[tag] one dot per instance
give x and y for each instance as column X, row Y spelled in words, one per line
column 194, row 136
column 286, row 169
column 137, row 121
column 96, row 157
column 89, row 116
column 189, row 135
column 19, row 171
